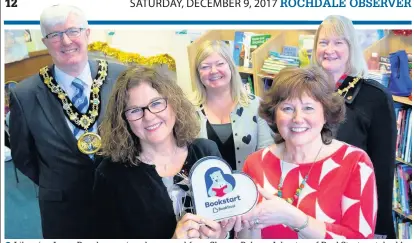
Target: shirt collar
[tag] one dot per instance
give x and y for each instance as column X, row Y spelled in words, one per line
column 341, row 80
column 65, row 80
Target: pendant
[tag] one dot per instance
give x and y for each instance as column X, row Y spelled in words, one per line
column 89, row 143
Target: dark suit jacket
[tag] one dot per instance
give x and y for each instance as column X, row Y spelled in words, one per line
column 370, row 125
column 44, row 149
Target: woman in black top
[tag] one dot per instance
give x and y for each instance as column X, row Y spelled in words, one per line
column 148, row 138
column 370, row 119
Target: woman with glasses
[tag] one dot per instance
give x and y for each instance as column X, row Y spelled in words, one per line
column 149, row 140
column 227, row 114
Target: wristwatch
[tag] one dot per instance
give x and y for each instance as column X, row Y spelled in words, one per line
column 297, row 229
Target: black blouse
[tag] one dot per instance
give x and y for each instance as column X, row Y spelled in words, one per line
column 227, row 148
column 133, row 202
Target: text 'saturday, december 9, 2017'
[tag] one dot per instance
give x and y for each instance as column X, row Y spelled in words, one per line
column 270, row 3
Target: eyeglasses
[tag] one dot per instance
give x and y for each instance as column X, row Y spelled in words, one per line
column 137, row 113
column 71, row 33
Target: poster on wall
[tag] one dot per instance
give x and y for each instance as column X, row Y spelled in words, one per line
column 15, row 45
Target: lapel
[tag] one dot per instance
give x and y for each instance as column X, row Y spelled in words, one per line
column 54, row 113
column 93, row 65
column 105, row 90
column 349, row 97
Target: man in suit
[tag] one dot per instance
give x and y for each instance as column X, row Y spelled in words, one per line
column 50, row 113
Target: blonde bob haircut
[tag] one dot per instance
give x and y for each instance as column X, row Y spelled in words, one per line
column 207, row 48
column 340, row 26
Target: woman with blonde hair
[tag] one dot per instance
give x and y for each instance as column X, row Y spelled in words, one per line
column 370, row 122
column 149, row 141
column 227, row 114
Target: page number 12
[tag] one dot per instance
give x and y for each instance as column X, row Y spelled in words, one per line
column 11, row 3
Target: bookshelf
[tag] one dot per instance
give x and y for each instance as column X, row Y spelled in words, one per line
column 245, row 70
column 389, row 44
column 402, row 100
column 402, row 214
column 399, row 160
column 402, row 189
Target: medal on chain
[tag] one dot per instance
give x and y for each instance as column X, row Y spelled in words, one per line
column 89, row 142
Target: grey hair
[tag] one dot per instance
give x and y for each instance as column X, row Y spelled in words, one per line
column 220, row 47
column 337, row 25
column 58, row 14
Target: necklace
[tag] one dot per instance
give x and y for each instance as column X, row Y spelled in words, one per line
column 89, row 142
column 302, row 184
column 151, row 162
column 350, row 85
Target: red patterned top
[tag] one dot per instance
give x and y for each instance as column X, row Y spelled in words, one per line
column 340, row 191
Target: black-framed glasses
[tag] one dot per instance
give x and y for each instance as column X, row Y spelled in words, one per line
column 71, row 33
column 137, row 113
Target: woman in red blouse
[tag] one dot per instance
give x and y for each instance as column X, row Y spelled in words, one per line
column 314, row 186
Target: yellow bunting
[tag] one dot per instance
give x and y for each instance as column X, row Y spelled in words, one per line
column 127, row 57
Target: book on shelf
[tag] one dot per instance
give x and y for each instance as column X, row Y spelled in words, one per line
column 276, row 62
column 256, row 40
column 402, row 226
column 267, row 83
column 247, row 80
column 404, row 137
column 245, row 43
column 292, row 51
column 403, row 189
column 380, row 77
column 241, row 43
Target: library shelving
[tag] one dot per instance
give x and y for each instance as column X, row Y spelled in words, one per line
column 397, row 210
column 402, row 100
column 389, row 44
column 402, row 201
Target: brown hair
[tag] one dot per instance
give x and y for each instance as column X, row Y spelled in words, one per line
column 118, row 140
column 293, row 82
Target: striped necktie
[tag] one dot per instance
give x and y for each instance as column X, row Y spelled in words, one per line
column 79, row 100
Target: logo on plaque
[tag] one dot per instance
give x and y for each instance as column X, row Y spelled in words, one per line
column 220, row 193
column 218, row 183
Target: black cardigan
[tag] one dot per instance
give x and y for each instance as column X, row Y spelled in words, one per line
column 371, row 125
column 133, row 202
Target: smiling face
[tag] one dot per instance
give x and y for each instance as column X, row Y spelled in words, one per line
column 332, row 52
column 68, row 53
column 151, row 128
column 214, row 72
column 300, row 121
